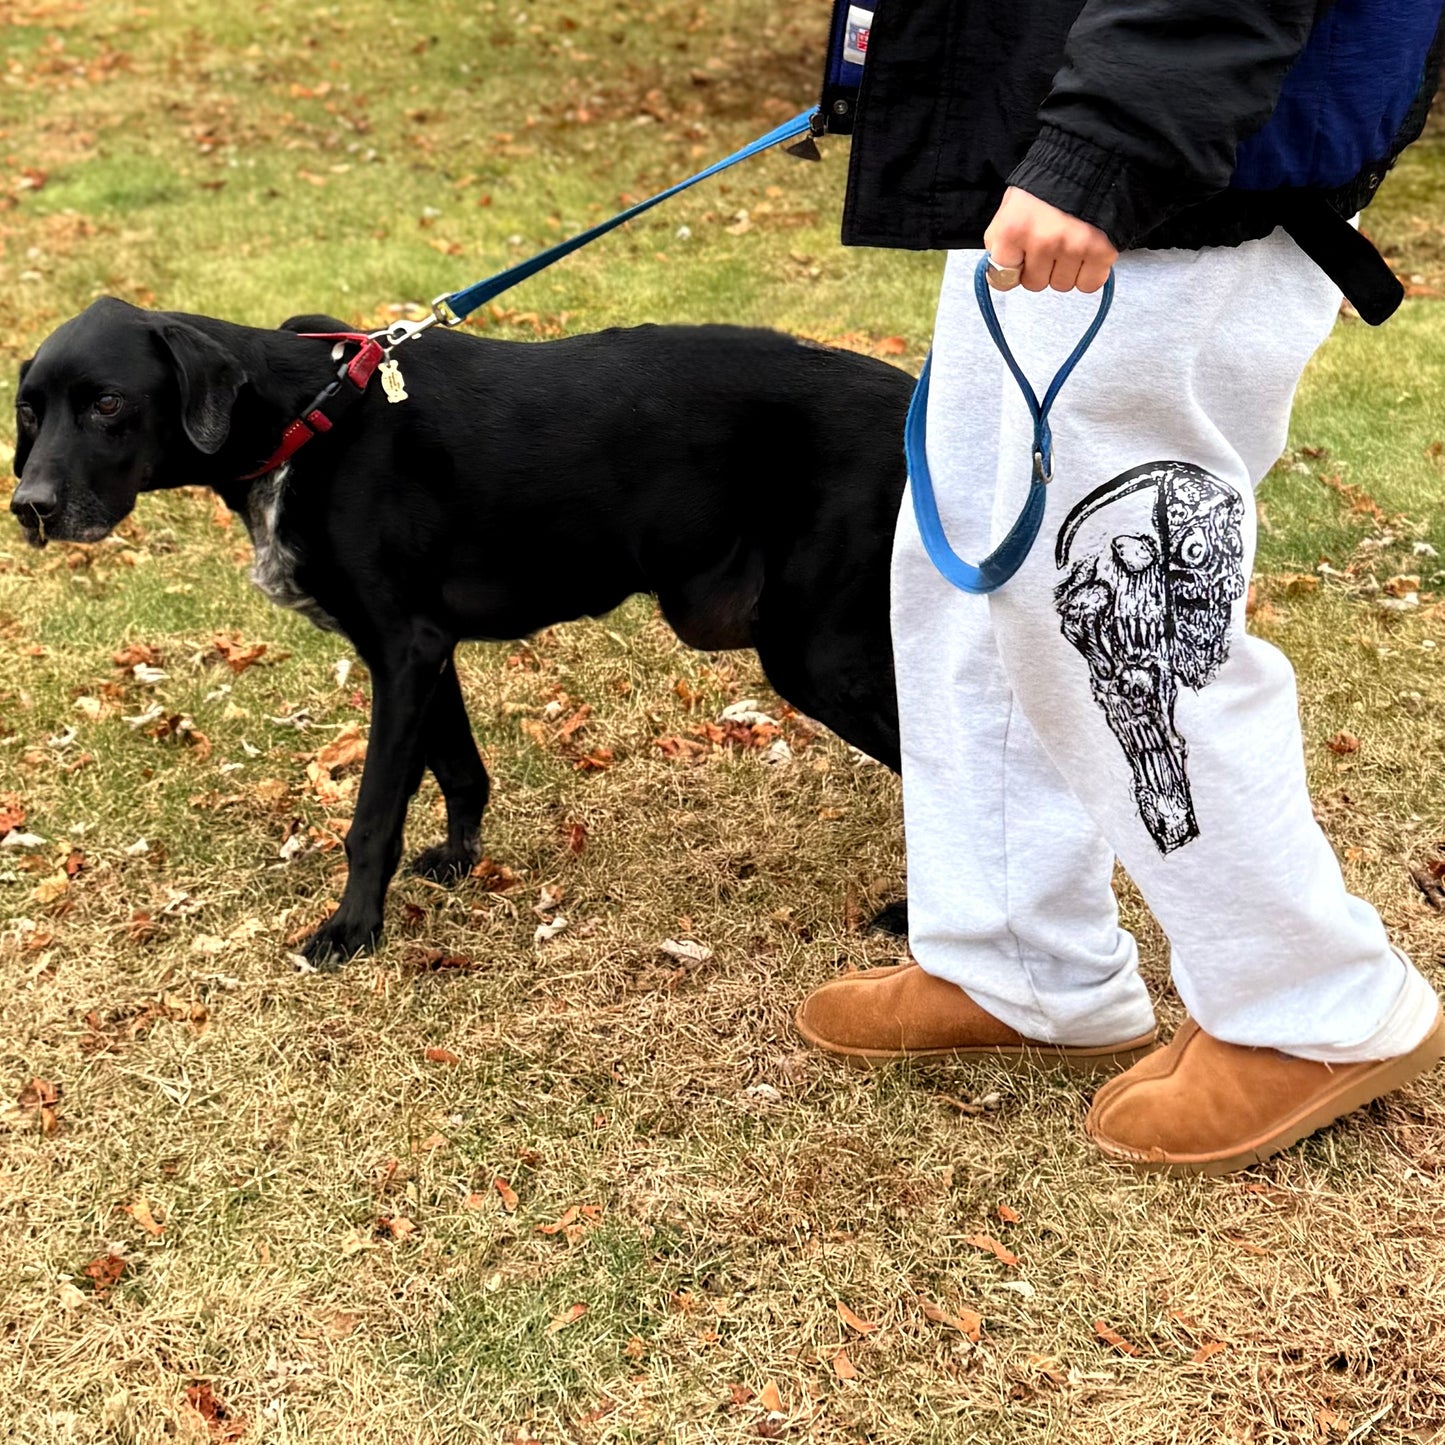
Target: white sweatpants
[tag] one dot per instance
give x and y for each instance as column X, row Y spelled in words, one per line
column 1107, row 701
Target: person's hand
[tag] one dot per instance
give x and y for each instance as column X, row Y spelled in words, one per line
column 1049, row 246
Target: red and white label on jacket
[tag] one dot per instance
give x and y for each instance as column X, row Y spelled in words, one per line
column 855, row 42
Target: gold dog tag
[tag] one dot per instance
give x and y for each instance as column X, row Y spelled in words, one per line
column 391, row 381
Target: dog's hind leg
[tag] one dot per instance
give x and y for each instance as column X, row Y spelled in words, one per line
column 405, row 672
column 452, row 756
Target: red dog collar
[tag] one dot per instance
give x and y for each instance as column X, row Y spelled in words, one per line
column 332, row 402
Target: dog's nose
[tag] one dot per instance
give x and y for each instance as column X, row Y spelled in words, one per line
column 35, row 501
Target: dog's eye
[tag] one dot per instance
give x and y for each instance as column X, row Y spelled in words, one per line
column 25, row 416
column 107, row 405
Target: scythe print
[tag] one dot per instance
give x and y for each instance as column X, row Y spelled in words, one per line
column 1149, row 612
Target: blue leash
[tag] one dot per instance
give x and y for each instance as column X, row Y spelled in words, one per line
column 455, row 306
column 1008, row 556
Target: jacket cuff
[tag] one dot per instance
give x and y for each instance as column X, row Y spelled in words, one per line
column 1097, row 185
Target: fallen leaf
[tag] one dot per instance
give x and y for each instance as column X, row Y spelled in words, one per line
column 570, row 1316
column 1327, row 1421
column 442, row 1056
column 770, row 1398
column 853, row 1321
column 41, row 1098
column 545, row 932
column 237, row 655
column 508, row 1194
column 966, row 1321
column 1344, row 744
column 1114, row 1338
column 1205, row 1352
column 356, row 1240
column 104, row 1273
column 140, row 1211
column 398, row 1226
column 843, row 1367
column 567, row 1220
column 221, row 1424
column 345, row 750
column 68, row 1297
column 993, row 1247
column 575, row 836
column 687, row 949
column 1008, row 1215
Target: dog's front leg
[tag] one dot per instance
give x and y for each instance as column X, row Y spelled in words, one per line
column 404, row 677
column 452, row 756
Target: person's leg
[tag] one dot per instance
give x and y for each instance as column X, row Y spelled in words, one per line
column 1123, row 639
column 1009, row 880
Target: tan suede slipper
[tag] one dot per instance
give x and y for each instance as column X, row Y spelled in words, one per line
column 888, row 1015
column 1200, row 1106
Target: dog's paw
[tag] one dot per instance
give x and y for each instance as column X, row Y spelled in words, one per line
column 444, row 864
column 339, row 940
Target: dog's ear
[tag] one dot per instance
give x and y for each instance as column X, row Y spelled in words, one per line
column 23, row 442
column 209, row 378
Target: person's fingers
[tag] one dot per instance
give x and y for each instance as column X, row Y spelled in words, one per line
column 1065, row 275
column 1092, row 274
column 1038, row 266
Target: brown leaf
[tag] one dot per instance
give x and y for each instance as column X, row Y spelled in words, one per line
column 1007, row 1214
column 345, row 750
column 442, row 1056
column 1206, row 1352
column 853, row 1321
column 508, row 1195
column 1343, row 744
column 966, row 1321
column 237, row 655
column 1114, row 1338
column 140, row 1211
column 843, row 1367
column 398, row 1226
column 575, row 836
column 221, row 1424
column 993, row 1247
column 41, row 1098
column 12, row 813
column 1328, row 1421
column 741, row 1394
column 569, row 1316
column 104, row 1273
column 892, row 346
column 136, row 652
column 1246, row 1245
column 770, row 1398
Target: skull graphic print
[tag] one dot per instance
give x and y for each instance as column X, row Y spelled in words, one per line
column 1149, row 609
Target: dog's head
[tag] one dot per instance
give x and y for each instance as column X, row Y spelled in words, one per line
column 113, row 403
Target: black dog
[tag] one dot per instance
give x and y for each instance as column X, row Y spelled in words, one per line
column 749, row 480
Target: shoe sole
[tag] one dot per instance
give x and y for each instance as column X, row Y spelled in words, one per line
column 1092, row 1060
column 1387, row 1076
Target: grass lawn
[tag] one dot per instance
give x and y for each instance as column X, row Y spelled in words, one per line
column 481, row 1187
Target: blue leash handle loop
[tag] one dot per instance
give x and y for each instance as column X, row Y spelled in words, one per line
column 458, row 305
column 1009, row 555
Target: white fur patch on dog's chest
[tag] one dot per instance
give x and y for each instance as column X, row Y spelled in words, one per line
column 274, row 568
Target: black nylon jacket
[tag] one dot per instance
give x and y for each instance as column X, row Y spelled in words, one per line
column 1125, row 113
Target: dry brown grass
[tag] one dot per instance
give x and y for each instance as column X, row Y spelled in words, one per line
column 258, row 1210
